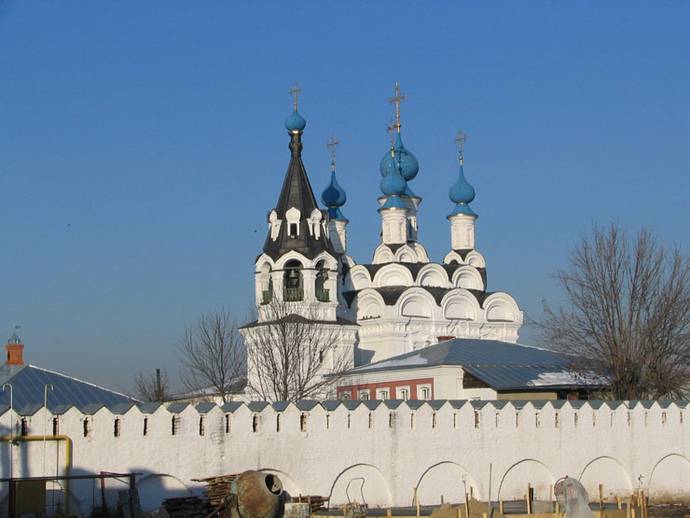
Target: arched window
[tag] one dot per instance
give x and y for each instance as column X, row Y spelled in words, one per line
column 293, row 289
column 425, row 393
column 321, row 278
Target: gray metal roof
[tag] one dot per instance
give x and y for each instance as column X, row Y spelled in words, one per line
column 121, row 408
column 330, row 404
column 478, row 404
column 257, row 406
column 436, row 404
column 176, row 408
column 28, row 385
column 414, row 404
column 231, row 406
column 280, row 406
column 305, row 405
column 150, row 408
column 205, row 407
column 350, row 404
column 372, row 404
column 90, row 408
column 501, row 365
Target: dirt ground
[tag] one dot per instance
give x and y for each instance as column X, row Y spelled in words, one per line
column 679, row 510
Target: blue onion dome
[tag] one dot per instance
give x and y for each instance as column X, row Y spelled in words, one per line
column 387, row 163
column 462, row 194
column 295, row 122
column 409, row 192
column 393, row 184
column 334, row 197
column 406, row 161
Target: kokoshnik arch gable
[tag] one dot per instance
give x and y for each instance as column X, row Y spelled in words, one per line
column 399, row 302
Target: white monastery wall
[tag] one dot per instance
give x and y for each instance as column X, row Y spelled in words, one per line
column 437, row 447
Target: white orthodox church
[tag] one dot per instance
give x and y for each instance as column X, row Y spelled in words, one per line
column 399, row 302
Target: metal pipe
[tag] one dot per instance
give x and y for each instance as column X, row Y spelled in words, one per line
column 4, row 388
column 45, row 421
column 68, row 453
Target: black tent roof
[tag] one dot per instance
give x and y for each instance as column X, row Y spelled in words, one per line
column 297, row 192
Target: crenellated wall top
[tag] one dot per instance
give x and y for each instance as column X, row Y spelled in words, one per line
column 257, row 407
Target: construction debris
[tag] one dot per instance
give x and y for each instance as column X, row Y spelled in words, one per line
column 315, row 502
column 218, row 488
column 187, row 507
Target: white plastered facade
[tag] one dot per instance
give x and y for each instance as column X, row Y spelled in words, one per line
column 431, row 447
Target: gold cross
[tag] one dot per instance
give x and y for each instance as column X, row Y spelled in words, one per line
column 396, row 100
column 332, row 144
column 390, row 128
column 295, row 91
column 460, row 139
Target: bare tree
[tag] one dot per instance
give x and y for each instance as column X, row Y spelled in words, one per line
column 628, row 314
column 152, row 387
column 292, row 356
column 213, row 356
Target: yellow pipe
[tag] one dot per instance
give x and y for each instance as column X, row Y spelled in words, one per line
column 68, row 453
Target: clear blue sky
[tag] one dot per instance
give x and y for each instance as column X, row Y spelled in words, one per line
column 142, row 144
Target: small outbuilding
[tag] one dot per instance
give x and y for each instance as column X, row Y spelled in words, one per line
column 471, row 369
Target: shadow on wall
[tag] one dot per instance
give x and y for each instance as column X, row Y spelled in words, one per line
column 366, row 482
column 610, row 473
column 514, row 481
column 674, row 470
column 87, row 494
column 153, row 488
column 447, row 482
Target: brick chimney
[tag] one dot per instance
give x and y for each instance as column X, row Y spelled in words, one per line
column 15, row 349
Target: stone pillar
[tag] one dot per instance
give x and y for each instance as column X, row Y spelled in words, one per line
column 337, row 233
column 462, row 231
column 309, row 285
column 277, row 277
column 394, row 226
